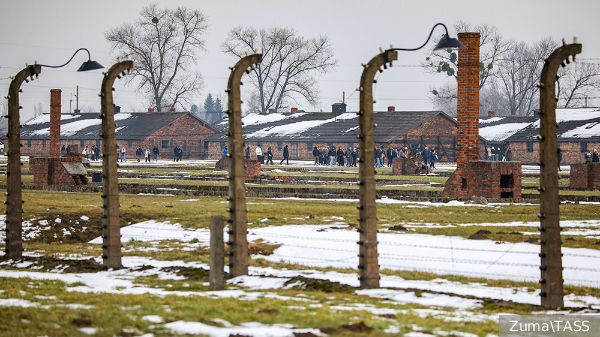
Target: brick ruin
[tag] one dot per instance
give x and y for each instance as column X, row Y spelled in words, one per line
column 474, row 177
column 585, row 176
column 407, row 167
column 252, row 167
column 54, row 169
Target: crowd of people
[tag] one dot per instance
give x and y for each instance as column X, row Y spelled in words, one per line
column 494, row 153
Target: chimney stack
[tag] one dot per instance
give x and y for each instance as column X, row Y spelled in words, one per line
column 391, row 108
column 55, row 110
column 491, row 113
column 294, row 109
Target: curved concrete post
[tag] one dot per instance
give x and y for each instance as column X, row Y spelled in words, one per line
column 552, row 291
column 14, row 200
column 368, row 257
column 111, row 231
column 238, row 243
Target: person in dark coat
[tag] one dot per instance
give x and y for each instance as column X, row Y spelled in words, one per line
column 155, row 152
column 316, row 155
column 176, row 153
column 348, row 157
column 68, row 148
column 354, row 156
column 180, row 158
column 425, row 156
column 390, row 156
column 378, row 154
column 286, row 156
column 248, row 152
column 432, row 158
column 559, row 157
column 269, row 156
column 508, row 155
column 332, row 154
column 63, row 150
column 595, row 158
column 138, row 153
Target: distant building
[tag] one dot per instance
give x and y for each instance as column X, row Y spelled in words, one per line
column 303, row 131
column 163, row 129
column 578, row 130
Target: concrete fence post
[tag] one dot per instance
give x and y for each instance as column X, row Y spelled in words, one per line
column 552, row 291
column 238, row 242
column 111, row 219
column 216, row 276
column 368, row 258
column 14, row 197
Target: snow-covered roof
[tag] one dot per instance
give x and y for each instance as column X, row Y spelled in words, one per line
column 574, row 125
column 326, row 126
column 88, row 125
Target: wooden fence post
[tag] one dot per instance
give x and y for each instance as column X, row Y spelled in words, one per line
column 217, row 254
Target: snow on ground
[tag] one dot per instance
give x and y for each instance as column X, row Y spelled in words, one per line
column 152, row 231
column 434, row 253
column 245, row 329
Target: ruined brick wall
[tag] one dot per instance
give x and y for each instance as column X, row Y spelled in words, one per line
column 49, row 171
column 252, row 167
column 501, row 179
column 406, row 167
column 585, row 176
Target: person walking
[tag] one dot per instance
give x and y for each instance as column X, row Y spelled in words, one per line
column 425, row 156
column 63, row 150
column 588, row 156
column 225, row 151
column 176, row 153
column 286, row 156
column 248, row 152
column 269, row 156
column 348, row 157
column 138, row 153
column 84, row 152
column 378, row 157
column 259, row 154
column 180, row 157
column 508, row 155
column 316, row 156
column 123, row 154
column 389, row 153
column 595, row 158
column 147, row 156
column 354, row 156
column 559, row 157
column 155, row 152
column 68, row 148
column 432, row 158
column 340, row 156
column 332, row 154
column 322, row 156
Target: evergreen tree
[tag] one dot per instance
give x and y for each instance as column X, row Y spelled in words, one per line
column 209, row 104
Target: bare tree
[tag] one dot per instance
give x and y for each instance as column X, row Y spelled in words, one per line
column 518, row 75
column 444, row 98
column 492, row 46
column 162, row 44
column 290, row 63
column 577, row 82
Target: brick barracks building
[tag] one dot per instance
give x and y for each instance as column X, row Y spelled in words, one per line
column 163, row 129
column 302, row 131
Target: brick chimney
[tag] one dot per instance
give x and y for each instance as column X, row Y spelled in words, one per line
column 491, row 113
column 150, row 109
column 55, row 107
column 391, row 108
column 467, row 136
column 294, row 109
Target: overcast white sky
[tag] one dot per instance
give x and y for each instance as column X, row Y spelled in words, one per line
column 50, row 31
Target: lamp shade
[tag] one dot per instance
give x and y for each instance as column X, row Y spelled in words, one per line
column 449, row 42
column 90, row 65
